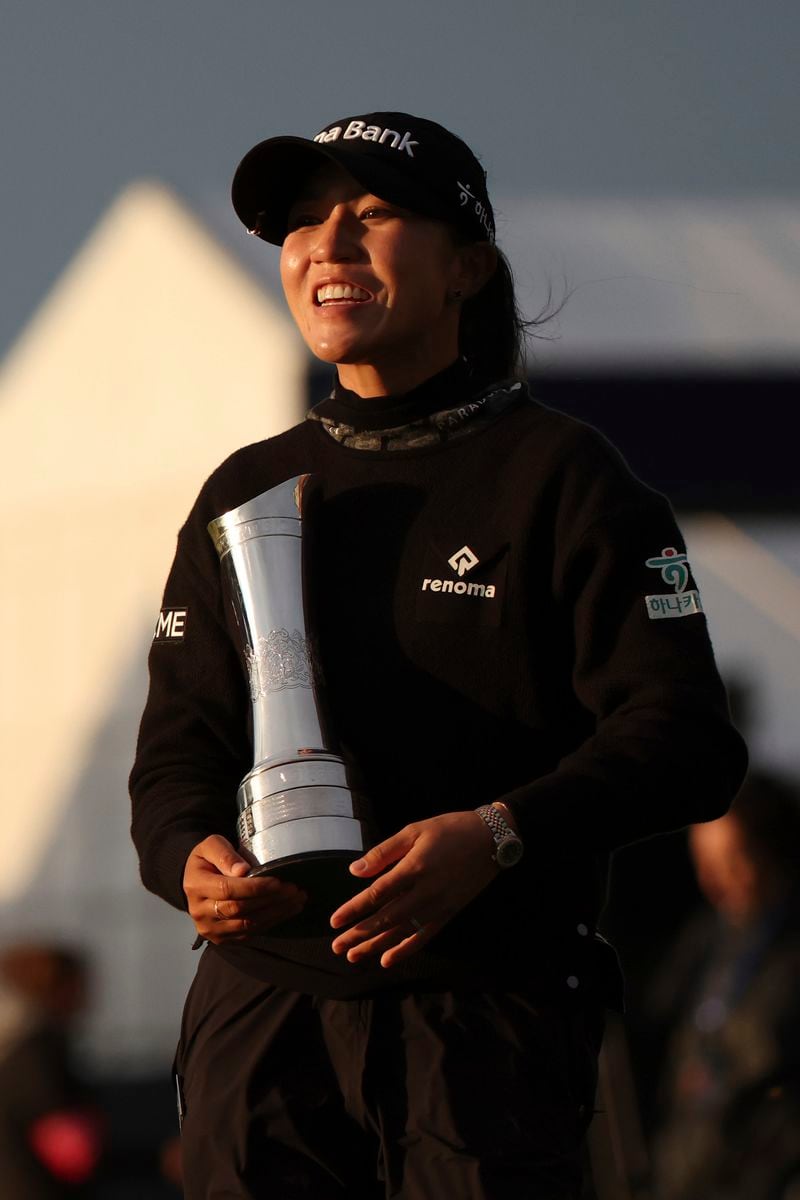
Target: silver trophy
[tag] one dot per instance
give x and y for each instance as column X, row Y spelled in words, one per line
column 299, row 818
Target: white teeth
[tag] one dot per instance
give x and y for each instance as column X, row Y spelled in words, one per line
column 340, row 291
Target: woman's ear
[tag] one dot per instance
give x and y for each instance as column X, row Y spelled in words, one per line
column 476, row 264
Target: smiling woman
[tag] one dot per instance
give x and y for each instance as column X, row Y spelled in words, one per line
column 373, row 287
column 439, row 1035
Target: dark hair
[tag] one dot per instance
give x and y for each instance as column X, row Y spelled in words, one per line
column 493, row 333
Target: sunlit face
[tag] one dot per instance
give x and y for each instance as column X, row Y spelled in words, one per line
column 368, row 282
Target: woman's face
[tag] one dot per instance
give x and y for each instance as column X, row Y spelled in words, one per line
column 369, row 283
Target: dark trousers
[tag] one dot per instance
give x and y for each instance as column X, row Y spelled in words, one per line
column 414, row 1095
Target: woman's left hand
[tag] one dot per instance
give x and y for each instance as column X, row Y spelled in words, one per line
column 427, row 873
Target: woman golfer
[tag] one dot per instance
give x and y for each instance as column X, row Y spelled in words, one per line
column 516, row 661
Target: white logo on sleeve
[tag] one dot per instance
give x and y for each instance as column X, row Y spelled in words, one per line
column 171, row 625
column 463, row 560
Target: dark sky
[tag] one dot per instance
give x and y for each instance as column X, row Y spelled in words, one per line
column 625, row 97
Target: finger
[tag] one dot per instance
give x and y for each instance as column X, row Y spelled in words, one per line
column 219, row 929
column 391, row 886
column 391, row 918
column 256, row 887
column 410, row 945
column 385, row 853
column 201, row 893
column 253, row 906
column 375, row 945
column 393, row 944
column 219, row 851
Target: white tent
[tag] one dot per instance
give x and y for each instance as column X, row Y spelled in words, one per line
column 154, row 356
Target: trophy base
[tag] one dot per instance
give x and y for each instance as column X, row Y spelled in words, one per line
column 297, row 821
column 324, row 876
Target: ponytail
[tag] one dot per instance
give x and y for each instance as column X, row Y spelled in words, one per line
column 493, row 333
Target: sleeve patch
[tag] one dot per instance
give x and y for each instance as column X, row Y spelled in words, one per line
column 171, row 625
column 674, row 568
column 681, row 604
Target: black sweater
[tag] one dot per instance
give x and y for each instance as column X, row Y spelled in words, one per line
column 595, row 713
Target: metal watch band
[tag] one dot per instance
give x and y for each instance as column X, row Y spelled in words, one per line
column 501, row 831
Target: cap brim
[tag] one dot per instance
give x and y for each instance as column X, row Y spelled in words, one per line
column 266, row 182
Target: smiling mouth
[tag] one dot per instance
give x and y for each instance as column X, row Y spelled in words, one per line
column 340, row 293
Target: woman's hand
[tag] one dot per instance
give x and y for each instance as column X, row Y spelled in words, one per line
column 224, row 904
column 428, row 872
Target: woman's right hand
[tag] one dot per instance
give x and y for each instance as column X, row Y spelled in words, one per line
column 224, row 904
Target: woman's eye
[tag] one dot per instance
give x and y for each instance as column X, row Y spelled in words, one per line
column 299, row 220
column 376, row 210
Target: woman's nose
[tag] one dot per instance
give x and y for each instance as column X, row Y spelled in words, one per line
column 337, row 238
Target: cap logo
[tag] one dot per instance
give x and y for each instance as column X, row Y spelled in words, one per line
column 464, row 196
column 369, row 133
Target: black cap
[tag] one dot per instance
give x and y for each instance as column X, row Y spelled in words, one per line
column 405, row 160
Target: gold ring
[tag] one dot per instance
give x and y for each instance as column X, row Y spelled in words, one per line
column 217, row 915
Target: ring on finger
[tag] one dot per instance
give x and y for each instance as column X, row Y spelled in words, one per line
column 218, row 916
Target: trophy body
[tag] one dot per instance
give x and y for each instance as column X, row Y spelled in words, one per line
column 298, row 817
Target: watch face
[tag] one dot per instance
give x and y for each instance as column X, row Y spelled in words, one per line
column 509, row 852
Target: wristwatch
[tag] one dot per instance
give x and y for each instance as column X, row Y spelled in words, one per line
column 507, row 845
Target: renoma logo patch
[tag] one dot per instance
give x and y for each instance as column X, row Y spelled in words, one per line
column 462, row 561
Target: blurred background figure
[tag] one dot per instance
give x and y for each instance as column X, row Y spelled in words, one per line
column 729, row 1103
column 50, row 1135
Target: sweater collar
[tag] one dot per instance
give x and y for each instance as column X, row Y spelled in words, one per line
column 472, row 413
column 368, row 413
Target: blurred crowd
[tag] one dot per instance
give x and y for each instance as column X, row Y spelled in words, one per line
column 62, row 1136
column 727, row 998
column 51, row 1133
column 717, row 1108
